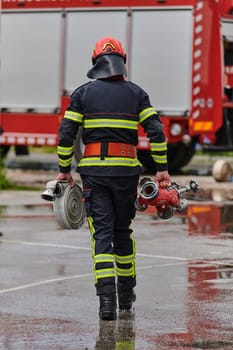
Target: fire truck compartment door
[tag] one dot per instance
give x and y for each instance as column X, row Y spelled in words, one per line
column 30, row 51
column 83, row 30
column 161, row 57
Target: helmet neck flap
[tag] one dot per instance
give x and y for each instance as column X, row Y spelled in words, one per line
column 106, row 66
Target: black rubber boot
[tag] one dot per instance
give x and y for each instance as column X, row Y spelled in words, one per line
column 107, row 307
column 126, row 298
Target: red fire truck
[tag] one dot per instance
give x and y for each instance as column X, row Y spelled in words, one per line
column 179, row 51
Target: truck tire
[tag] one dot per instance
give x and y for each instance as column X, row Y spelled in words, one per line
column 178, row 156
column 4, row 150
column 21, row 150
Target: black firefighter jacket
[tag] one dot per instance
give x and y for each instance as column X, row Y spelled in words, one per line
column 110, row 110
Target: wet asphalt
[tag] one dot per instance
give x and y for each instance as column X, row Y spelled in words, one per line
column 184, row 277
column 184, row 281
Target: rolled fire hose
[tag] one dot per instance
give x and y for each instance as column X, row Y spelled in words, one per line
column 222, row 170
column 68, row 205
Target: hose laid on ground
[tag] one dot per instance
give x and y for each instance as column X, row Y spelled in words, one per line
column 68, row 203
column 222, row 170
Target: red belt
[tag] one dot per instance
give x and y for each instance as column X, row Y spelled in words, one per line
column 114, row 149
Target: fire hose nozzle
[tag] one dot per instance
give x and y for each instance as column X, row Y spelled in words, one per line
column 50, row 193
column 149, row 190
column 53, row 190
column 193, row 186
column 165, row 200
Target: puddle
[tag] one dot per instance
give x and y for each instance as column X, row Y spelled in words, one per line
column 211, row 219
column 179, row 306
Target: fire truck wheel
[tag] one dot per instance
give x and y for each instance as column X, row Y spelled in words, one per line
column 4, row 149
column 180, row 155
column 21, row 150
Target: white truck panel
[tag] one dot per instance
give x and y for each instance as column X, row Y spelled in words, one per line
column 30, row 50
column 159, row 60
column 83, row 30
column 227, row 29
column 161, row 57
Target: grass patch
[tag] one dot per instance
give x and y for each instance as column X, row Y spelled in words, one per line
column 14, row 187
column 43, row 149
column 4, row 182
column 214, row 153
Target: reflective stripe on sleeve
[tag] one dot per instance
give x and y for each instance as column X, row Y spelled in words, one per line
column 75, row 116
column 146, row 113
column 161, row 159
column 65, row 151
column 158, row 147
column 65, row 162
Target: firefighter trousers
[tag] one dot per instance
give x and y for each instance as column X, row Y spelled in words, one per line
column 109, row 202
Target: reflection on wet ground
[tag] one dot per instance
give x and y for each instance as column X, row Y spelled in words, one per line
column 206, row 218
column 206, row 290
column 118, row 334
column 211, row 219
column 184, row 292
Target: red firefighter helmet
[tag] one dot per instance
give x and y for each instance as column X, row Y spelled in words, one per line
column 108, row 46
column 108, row 59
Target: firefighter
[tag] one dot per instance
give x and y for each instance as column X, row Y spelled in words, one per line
column 109, row 109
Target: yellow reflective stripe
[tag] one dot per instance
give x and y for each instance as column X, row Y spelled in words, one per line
column 104, row 273
column 146, row 113
column 109, row 161
column 90, row 223
column 128, row 259
column 92, row 231
column 125, row 345
column 65, row 150
column 77, row 117
column 159, row 159
column 65, row 162
column 110, row 123
column 134, row 253
column 125, row 272
column 104, row 258
column 158, row 147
